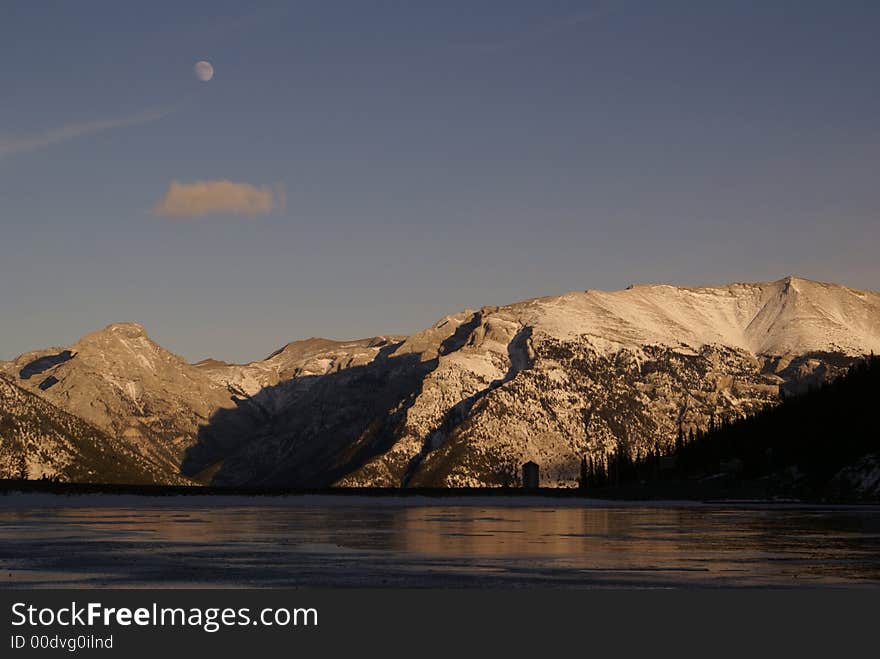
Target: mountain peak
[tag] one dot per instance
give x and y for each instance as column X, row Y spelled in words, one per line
column 790, row 315
column 128, row 329
column 127, row 333
column 793, row 282
column 548, row 379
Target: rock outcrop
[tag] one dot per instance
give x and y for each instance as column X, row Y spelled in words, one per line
column 468, row 400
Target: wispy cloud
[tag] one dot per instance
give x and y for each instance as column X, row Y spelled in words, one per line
column 205, row 197
column 546, row 30
column 12, row 145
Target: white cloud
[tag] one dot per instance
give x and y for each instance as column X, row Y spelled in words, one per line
column 205, row 197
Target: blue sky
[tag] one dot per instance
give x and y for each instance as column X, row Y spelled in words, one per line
column 421, row 157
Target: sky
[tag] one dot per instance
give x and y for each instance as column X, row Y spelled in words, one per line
column 363, row 168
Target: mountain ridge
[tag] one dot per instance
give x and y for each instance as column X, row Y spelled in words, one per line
column 466, row 400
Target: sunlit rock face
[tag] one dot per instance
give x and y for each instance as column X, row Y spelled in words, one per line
column 631, row 368
column 41, row 441
column 121, row 382
column 467, row 401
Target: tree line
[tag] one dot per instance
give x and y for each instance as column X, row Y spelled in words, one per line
column 808, row 438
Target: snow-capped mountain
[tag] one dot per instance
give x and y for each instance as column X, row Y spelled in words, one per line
column 121, row 382
column 39, row 440
column 468, row 400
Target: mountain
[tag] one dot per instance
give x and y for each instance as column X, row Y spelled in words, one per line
column 121, row 382
column 38, row 440
column 468, row 400
column 822, row 444
column 152, row 401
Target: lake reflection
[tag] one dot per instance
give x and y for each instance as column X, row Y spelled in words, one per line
column 337, row 542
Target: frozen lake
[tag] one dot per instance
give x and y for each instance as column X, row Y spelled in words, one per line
column 107, row 541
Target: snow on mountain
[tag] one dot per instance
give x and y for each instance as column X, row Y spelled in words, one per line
column 314, row 356
column 789, row 316
column 468, row 400
column 39, row 440
column 120, row 381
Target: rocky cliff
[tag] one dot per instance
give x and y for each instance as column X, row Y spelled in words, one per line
column 468, row 400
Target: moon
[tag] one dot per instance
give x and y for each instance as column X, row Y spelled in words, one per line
column 203, row 70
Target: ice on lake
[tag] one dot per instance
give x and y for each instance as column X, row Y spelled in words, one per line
column 410, row 542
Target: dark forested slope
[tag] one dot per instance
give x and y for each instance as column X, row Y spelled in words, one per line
column 824, row 443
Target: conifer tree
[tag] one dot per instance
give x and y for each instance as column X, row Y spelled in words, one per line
column 22, row 467
column 584, row 475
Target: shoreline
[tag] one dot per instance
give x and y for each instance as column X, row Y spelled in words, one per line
column 12, row 500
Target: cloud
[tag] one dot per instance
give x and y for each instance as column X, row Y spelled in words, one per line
column 204, row 197
column 14, row 145
column 542, row 31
